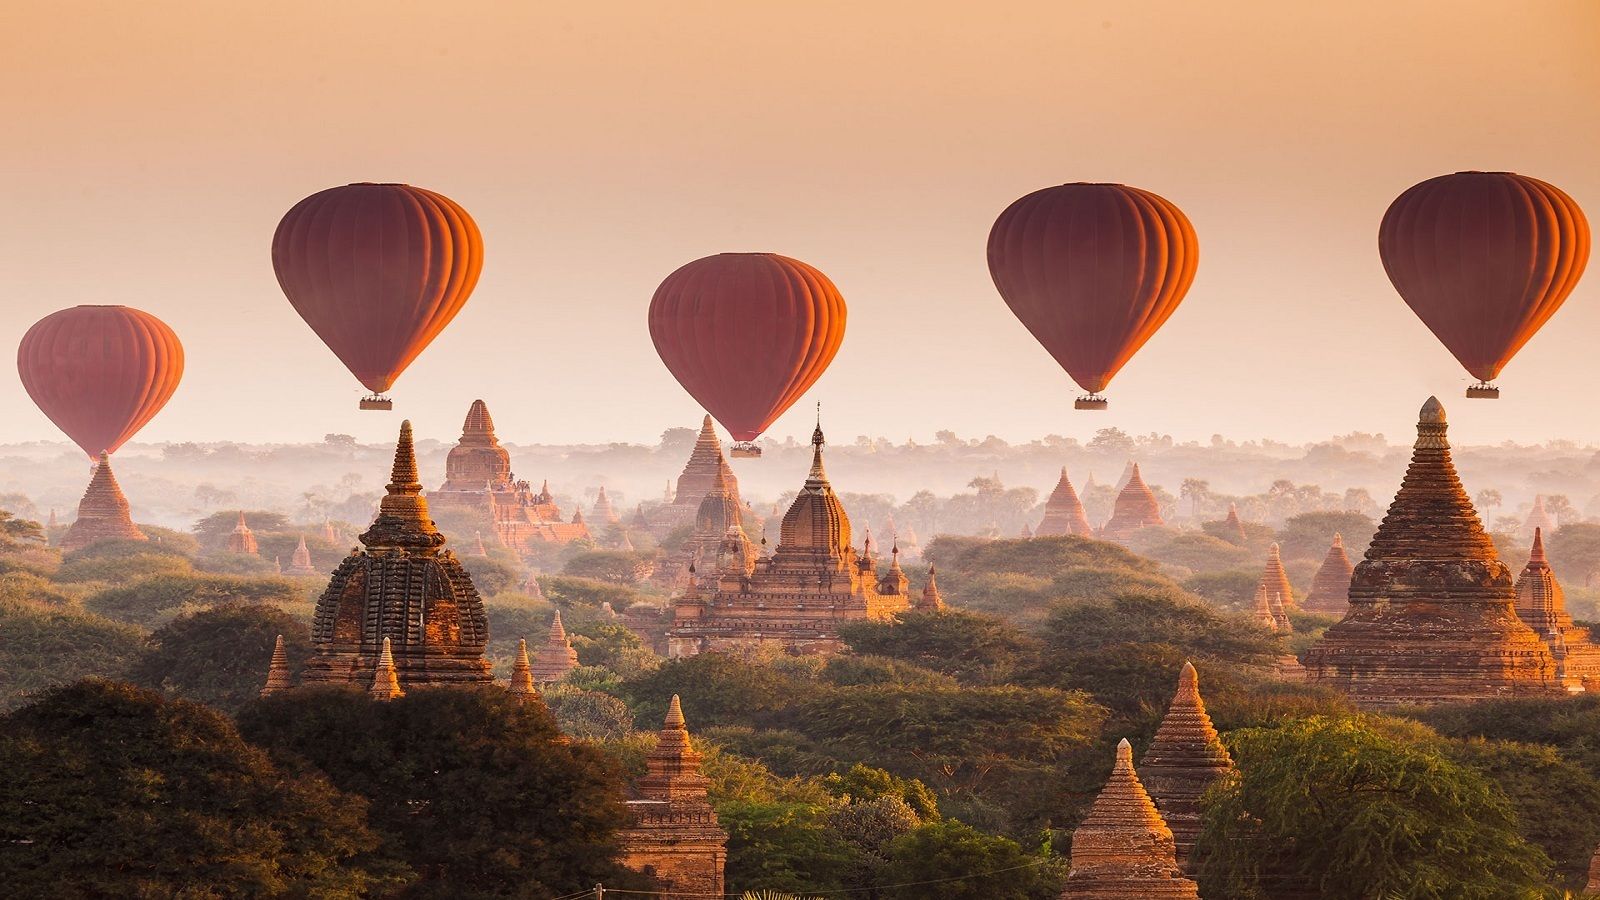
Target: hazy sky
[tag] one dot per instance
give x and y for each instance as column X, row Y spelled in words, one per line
column 151, row 148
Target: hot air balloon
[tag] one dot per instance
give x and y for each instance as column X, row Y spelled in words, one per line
column 1484, row 259
column 377, row 271
column 100, row 372
column 746, row 334
column 1092, row 270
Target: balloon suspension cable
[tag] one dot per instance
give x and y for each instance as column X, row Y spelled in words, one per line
column 1090, row 400
column 1483, row 390
column 376, row 401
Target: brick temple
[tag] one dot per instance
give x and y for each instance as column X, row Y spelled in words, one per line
column 1136, row 508
column 1542, row 606
column 1330, row 587
column 1123, row 849
column 1185, row 758
column 1063, row 512
column 673, row 834
column 103, row 513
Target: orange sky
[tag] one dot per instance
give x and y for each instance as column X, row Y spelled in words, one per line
column 152, row 147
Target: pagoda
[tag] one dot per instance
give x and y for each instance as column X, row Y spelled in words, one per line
column 1274, row 580
column 673, row 834
column 1330, row 588
column 1063, row 512
column 300, row 561
column 1261, row 611
column 1123, row 849
column 718, row 526
column 402, row 587
column 930, row 600
column 1232, row 527
column 242, row 539
column 1542, row 606
column 705, row 468
column 556, row 658
column 103, row 513
column 1432, row 613
column 522, row 685
column 795, row 598
column 1539, row 519
column 1136, row 508
column 602, row 512
column 478, row 479
column 909, row 545
column 278, row 677
column 1183, row 761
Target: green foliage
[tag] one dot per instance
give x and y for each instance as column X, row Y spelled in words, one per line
column 1042, row 557
column 122, row 569
column 862, row 783
column 783, row 846
column 151, row 600
column 1570, row 724
column 965, row 864
column 610, row 566
column 212, row 531
column 1199, row 552
column 614, row 647
column 587, row 715
column 1351, row 809
column 1309, row 535
column 45, row 646
column 16, row 532
column 1232, row 590
column 111, row 791
column 1574, row 552
column 476, row 791
column 225, row 563
column 219, row 656
column 489, row 575
column 783, row 751
column 568, row 591
column 849, row 669
column 966, row 645
column 716, row 689
column 1557, row 803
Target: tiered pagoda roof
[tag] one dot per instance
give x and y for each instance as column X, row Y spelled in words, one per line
column 1183, row 761
column 1539, row 518
column 1063, row 512
column 1274, row 582
column 1136, row 508
column 522, row 685
column 243, row 540
column 1232, row 527
column 602, row 511
column 478, row 478
column 103, row 513
column 278, row 677
column 557, row 657
column 1123, row 849
column 674, row 833
column 1432, row 613
column 477, row 462
column 1330, row 588
column 700, row 474
column 300, row 562
column 930, row 599
column 1542, row 605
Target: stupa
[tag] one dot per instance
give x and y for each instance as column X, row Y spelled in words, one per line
column 478, row 549
column 602, row 513
column 1123, row 849
column 1136, row 508
column 796, row 598
column 278, row 677
column 673, row 834
column 478, row 479
column 909, row 545
column 1539, row 519
column 1274, row 580
column 1183, row 761
column 700, row 476
column 1542, row 606
column 718, row 519
column 1432, row 613
column 930, row 600
column 1330, row 588
column 242, row 539
column 300, row 561
column 103, row 513
column 401, row 586
column 1026, row 533
column 385, row 678
column 557, row 657
column 1063, row 512
column 1261, row 611
column 1232, row 527
column 522, row 685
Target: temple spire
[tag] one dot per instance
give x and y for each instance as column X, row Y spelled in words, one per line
column 673, row 767
column 1330, row 587
column 557, row 657
column 385, row 680
column 277, row 671
column 931, row 601
column 403, row 520
column 1063, row 512
column 1123, row 848
column 1184, row 759
column 522, row 686
column 103, row 513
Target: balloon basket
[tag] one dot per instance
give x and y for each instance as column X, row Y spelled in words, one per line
column 1090, row 401
column 376, row 401
column 1483, row 391
column 745, row 450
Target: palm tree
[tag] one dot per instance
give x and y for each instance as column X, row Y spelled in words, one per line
column 1194, row 490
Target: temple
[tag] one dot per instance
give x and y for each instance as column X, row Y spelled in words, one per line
column 1274, row 580
column 1232, row 527
column 242, row 539
column 521, row 686
column 1542, row 606
column 930, row 600
column 1136, row 508
column 718, row 533
column 673, row 835
column 1432, row 613
column 1063, row 512
column 300, row 561
column 1123, row 850
column 1539, row 519
column 557, row 657
column 1330, row 587
column 701, row 475
column 278, row 677
column 602, row 513
column 797, row 597
column 103, row 513
column 402, row 587
column 478, row 479
column 1183, row 761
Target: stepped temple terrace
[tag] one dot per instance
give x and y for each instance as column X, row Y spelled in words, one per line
column 1063, row 512
column 1136, row 508
column 1123, row 849
column 673, row 832
column 1185, row 758
column 103, row 513
column 1542, row 606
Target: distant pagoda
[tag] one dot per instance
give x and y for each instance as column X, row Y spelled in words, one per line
column 556, row 658
column 1063, row 512
column 242, row 539
column 1136, row 508
column 602, row 513
column 1232, row 527
column 402, row 588
column 1330, row 588
column 700, row 475
column 522, row 686
column 1183, row 761
column 673, row 834
column 278, row 677
column 103, row 513
column 1432, row 613
column 1539, row 519
column 1123, row 849
column 300, row 562
column 718, row 530
column 1274, row 580
column 1542, row 606
column 930, row 599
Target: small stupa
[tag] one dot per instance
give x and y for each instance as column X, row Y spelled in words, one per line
column 602, row 511
column 1026, row 533
column 530, row 586
column 557, row 657
column 1542, row 606
column 674, row 834
column 930, row 599
column 242, row 539
column 1136, row 508
column 385, row 681
column 478, row 549
column 103, row 513
column 300, row 561
column 1063, row 512
column 1123, row 849
column 1232, row 527
column 1183, row 761
column 1539, row 519
column 522, row 685
column 1261, row 610
column 278, row 678
column 329, row 534
column 1274, row 580
column 1330, row 588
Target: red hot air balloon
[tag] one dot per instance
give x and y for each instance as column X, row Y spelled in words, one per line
column 377, row 271
column 100, row 372
column 1484, row 259
column 1092, row 270
column 746, row 334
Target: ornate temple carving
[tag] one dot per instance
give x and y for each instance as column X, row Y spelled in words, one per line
column 673, row 835
column 1432, row 614
column 103, row 513
column 402, row 586
column 1063, row 512
column 1123, row 850
column 1183, row 761
column 1542, row 606
column 1330, row 587
column 797, row 597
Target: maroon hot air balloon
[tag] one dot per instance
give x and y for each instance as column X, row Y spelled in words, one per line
column 1092, row 270
column 1484, row 259
column 377, row 271
column 746, row 334
column 100, row 372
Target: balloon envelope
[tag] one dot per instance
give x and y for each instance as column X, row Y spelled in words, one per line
column 377, row 271
column 1484, row 259
column 100, row 372
column 747, row 334
column 1092, row 270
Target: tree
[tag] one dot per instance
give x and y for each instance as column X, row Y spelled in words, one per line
column 1308, row 535
column 46, row 646
column 951, row 641
column 213, row 530
column 1557, row 803
column 149, row 600
column 1356, row 808
column 479, row 793
column 112, row 791
column 219, row 656
column 721, row 690
column 1112, row 442
column 783, row 845
column 1199, row 552
column 15, row 532
column 967, row 864
column 1575, row 551
column 121, row 569
column 489, row 575
column 1487, row 499
column 610, row 566
column 1196, row 491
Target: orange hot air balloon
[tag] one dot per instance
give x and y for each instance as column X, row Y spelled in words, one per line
column 377, row 271
column 1484, row 259
column 100, row 372
column 746, row 334
column 1092, row 270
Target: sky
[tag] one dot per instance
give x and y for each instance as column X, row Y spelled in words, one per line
column 151, row 149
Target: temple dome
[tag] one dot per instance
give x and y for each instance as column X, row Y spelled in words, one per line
column 816, row 520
